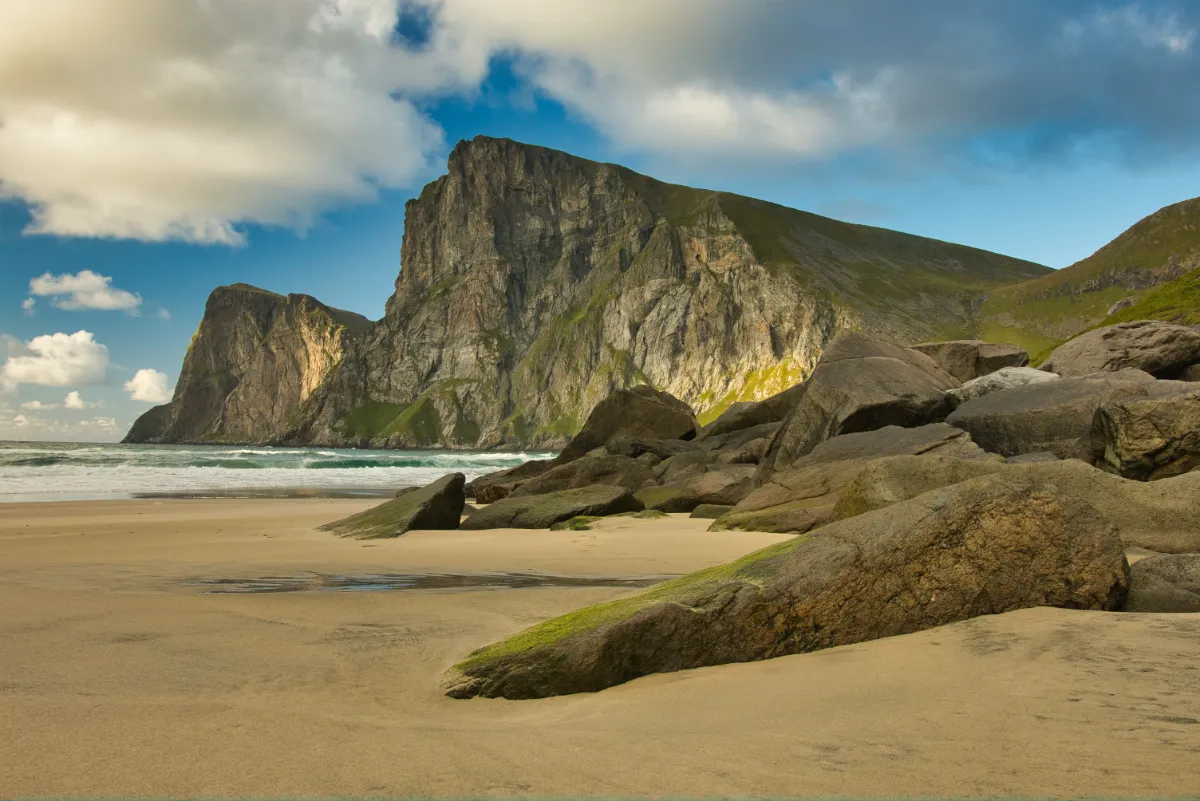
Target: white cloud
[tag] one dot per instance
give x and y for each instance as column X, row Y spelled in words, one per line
column 84, row 290
column 20, row 421
column 75, row 401
column 182, row 120
column 27, row 306
column 148, row 385
column 56, row 360
column 38, row 405
column 163, row 314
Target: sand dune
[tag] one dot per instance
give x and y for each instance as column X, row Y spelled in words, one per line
column 118, row 677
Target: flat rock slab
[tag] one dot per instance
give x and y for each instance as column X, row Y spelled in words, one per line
column 543, row 511
column 1052, row 416
column 435, row 506
column 618, row 471
column 803, row 497
column 981, row 547
column 726, row 485
column 1161, row 516
column 1005, row 378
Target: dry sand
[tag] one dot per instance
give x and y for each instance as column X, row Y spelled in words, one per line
column 118, row 678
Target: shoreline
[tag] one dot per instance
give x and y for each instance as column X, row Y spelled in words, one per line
column 118, row 678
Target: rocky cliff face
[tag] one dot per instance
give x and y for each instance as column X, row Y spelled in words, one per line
column 255, row 359
column 535, row 283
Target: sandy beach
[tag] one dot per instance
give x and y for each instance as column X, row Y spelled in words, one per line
column 123, row 675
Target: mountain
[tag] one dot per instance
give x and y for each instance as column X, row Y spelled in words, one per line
column 255, row 359
column 534, row 283
column 1157, row 252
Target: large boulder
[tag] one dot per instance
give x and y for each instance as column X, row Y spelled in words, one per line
column 1148, row 438
column 1162, row 516
column 860, row 384
column 1161, row 349
column 967, row 359
column 641, row 411
column 726, row 485
column 543, row 511
column 1002, row 379
column 802, row 497
column 617, row 471
column 435, row 506
column 634, row 447
column 748, row 414
column 492, row 487
column 1050, row 416
column 1166, row 583
column 981, row 547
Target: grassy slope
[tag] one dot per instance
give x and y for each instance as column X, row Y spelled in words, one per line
column 1042, row 313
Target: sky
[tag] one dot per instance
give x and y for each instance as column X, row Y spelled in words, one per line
column 151, row 151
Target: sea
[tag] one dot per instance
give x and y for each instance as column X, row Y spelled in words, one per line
column 56, row 471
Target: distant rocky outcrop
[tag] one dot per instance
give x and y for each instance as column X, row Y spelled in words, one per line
column 256, row 358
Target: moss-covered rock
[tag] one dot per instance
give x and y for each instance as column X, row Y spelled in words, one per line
column 543, row 511
column 435, row 506
column 710, row 511
column 642, row 411
column 981, row 547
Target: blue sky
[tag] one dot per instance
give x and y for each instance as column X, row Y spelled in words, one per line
column 170, row 148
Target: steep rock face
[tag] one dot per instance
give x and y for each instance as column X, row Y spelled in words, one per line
column 256, row 357
column 535, row 283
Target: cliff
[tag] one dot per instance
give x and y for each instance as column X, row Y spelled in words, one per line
column 1151, row 260
column 255, row 359
column 534, row 283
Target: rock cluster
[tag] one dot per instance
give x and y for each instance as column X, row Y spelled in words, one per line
column 916, row 499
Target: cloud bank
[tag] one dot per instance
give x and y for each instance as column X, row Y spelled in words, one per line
column 188, row 120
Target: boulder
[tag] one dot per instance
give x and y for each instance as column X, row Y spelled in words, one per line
column 736, row 439
column 709, row 511
column 1190, row 373
column 726, row 486
column 1002, row 379
column 634, row 447
column 1050, row 416
column 981, row 547
column 1161, row 516
column 860, row 384
column 492, row 487
column 1161, row 349
column 1148, row 438
column 745, row 415
column 803, row 496
column 543, row 511
column 684, row 466
column 1167, row 583
column 752, row 452
column 968, row 359
column 435, row 506
column 642, row 411
column 617, row 471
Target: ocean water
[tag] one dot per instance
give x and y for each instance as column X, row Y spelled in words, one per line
column 48, row 471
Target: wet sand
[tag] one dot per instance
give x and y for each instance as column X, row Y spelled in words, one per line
column 121, row 676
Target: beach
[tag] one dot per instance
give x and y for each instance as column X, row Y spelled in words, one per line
column 136, row 663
